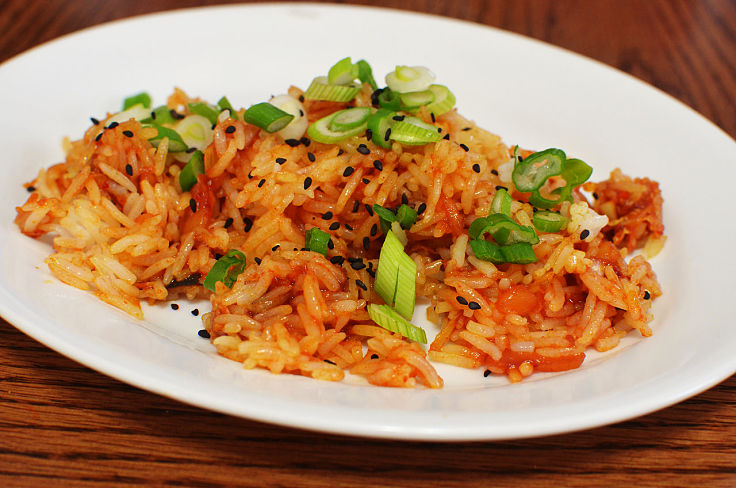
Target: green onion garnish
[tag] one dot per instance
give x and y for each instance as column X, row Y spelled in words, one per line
column 385, row 216
column 379, row 123
column 267, row 117
column 503, row 229
column 396, row 277
column 546, row 221
column 409, row 79
column 142, row 98
column 365, row 74
column 320, row 131
column 413, row 100
column 406, row 216
column 576, row 172
column 519, row 253
column 160, row 115
column 533, row 172
column 444, row 100
column 414, row 132
column 315, row 239
column 501, row 202
column 349, row 119
column 176, row 143
column 226, row 269
column 342, row 72
column 389, row 100
column 205, row 110
column 188, row 175
column 487, row 251
column 225, row 104
column 390, row 320
column 321, row 89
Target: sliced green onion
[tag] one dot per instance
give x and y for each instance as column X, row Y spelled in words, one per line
column 205, row 110
column 576, row 172
column 413, row 131
column 406, row 216
column 379, row 123
column 342, row 72
column 390, row 100
column 315, row 239
column 563, row 193
column 225, row 104
column 268, row 117
column 160, row 115
column 388, row 268
column 501, row 202
column 413, row 100
column 390, row 320
column 320, row 131
column 196, row 131
column 531, row 173
column 546, row 221
column 176, row 143
column 519, row 253
column 142, row 98
column 385, row 216
column 321, row 89
column 195, row 167
column 137, row 112
column 226, row 269
column 444, row 100
column 487, row 251
column 298, row 125
column 349, row 118
column 406, row 294
column 365, row 74
column 503, row 229
column 409, row 79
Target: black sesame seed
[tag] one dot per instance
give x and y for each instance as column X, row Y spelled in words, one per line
column 334, row 225
column 337, row 260
column 474, row 305
column 431, row 114
column 275, row 248
column 190, row 150
column 465, row 148
column 421, row 208
column 213, row 126
column 365, row 180
column 248, row 224
column 357, row 266
column 311, row 157
column 153, row 115
column 307, row 182
column 292, row 142
column 218, row 256
column 331, row 362
column 374, row 230
column 250, row 174
column 355, row 260
column 461, row 300
column 195, row 312
column 476, row 168
column 203, row 334
column 366, row 243
column 584, row 234
column 647, row 295
column 369, row 209
column 361, row 285
column 466, row 128
column 99, row 136
column 494, row 171
column 368, row 134
column 129, row 169
column 174, row 306
column 175, row 114
column 595, row 195
column 306, row 141
column 447, row 137
column 327, row 215
column 349, row 227
column 280, row 160
column 487, row 373
column 501, row 187
column 439, row 129
column 257, row 260
column 193, row 205
column 404, row 199
column 356, row 206
column 260, row 183
column 374, row 356
column 363, row 149
column 112, row 125
column 330, row 244
column 229, row 222
column 94, row 120
column 348, row 171
column 229, row 129
column 398, row 118
column 128, row 133
column 387, row 135
column 31, row 189
column 340, row 152
column 301, row 113
column 521, row 158
column 301, row 98
column 371, row 272
column 378, row 165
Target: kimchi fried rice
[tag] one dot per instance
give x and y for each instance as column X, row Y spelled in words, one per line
column 129, row 227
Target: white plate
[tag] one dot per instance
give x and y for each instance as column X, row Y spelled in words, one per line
column 528, row 92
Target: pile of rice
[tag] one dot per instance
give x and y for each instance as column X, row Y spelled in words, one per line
column 124, row 230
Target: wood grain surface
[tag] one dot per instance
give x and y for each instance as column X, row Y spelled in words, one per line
column 62, row 424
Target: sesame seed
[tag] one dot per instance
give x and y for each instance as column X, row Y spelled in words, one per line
column 175, row 114
column 474, row 305
column 229, row 222
column 248, row 224
column 371, row 272
column 129, row 169
column 301, row 98
column 330, row 244
column 501, row 187
column 340, row 152
column 327, row 215
column 174, row 306
column 128, row 133
column 647, row 295
column 487, row 373
column 334, row 225
column 387, row 135
column 218, row 256
column 311, row 157
column 229, row 129
column 193, row 205
column 330, row 362
column 374, row 356
column 465, row 148
column 31, row 189
column 431, row 114
column 112, row 125
column 357, row 266
column 494, row 171
column 348, row 171
column 404, row 199
column 260, row 183
column 584, row 234
column 306, row 141
column 461, row 300
column 476, row 168
column 369, row 209
column 398, row 118
column 292, row 142
column 99, row 136
column 466, row 128
column 195, row 312
column 307, row 182
column 356, row 206
column 378, row 165
column 275, row 248
column 365, row 180
column 361, row 285
column 280, row 160
column 203, row 334
column 421, row 208
column 349, row 227
column 301, row 113
column 257, row 260
column 250, row 174
column 521, row 158
column 374, row 230
column 363, row 149
column 337, row 260
column 447, row 137
column 366, row 243
column 94, row 120
column 368, row 134
column 595, row 195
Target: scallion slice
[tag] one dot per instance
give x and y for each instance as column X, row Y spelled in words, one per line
column 226, row 269
column 487, row 251
column 321, row 89
column 160, row 115
column 142, row 98
column 390, row 320
column 547, row 221
column 298, row 125
column 531, row 173
column 576, row 172
column 386, row 217
column 315, row 239
column 196, row 131
column 389, row 100
column 413, row 100
column 349, row 119
column 406, row 294
column 519, row 253
column 444, row 99
column 176, row 143
column 503, row 229
column 268, row 117
column 342, row 72
column 205, row 110
column 501, row 202
column 409, row 79
column 414, row 132
column 388, row 268
column 380, row 124
column 406, row 216
column 225, row 104
column 320, row 131
column 195, row 167
column 365, row 74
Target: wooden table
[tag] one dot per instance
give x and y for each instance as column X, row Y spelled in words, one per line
column 62, row 424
